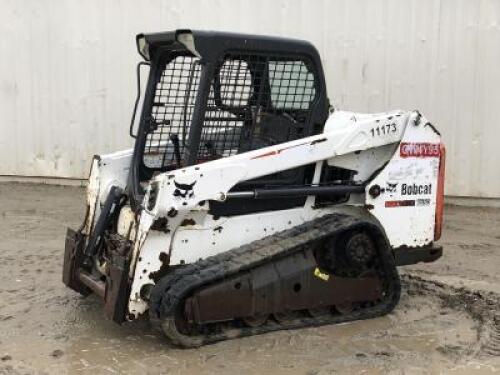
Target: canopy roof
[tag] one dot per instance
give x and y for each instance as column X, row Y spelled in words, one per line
column 209, row 44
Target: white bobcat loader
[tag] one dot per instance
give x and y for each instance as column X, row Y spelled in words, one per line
column 248, row 204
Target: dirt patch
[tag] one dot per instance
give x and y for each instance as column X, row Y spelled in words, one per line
column 480, row 306
column 445, row 322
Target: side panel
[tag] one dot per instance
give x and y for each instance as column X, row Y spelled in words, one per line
column 190, row 243
column 408, row 187
column 106, row 171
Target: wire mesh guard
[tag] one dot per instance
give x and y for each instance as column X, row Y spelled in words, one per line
column 254, row 101
column 172, row 111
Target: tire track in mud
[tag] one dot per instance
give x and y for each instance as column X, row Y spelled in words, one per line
column 482, row 306
column 491, row 346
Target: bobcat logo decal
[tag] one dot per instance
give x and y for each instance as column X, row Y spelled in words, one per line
column 184, row 190
column 391, row 187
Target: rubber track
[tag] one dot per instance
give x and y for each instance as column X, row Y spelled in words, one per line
column 169, row 294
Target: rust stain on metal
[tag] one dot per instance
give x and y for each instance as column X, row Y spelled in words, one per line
column 187, row 222
column 164, row 258
column 165, row 261
column 161, row 224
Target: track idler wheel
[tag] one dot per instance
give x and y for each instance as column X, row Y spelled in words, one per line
column 359, row 249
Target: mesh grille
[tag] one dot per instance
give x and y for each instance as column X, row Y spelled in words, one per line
column 226, row 110
column 291, row 85
column 254, row 101
column 172, row 110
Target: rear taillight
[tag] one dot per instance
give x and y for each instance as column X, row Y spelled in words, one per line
column 440, row 194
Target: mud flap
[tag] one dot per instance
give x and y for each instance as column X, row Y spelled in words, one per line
column 73, row 259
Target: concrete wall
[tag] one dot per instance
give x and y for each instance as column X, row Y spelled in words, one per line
column 67, row 81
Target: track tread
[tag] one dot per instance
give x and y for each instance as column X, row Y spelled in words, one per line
column 173, row 288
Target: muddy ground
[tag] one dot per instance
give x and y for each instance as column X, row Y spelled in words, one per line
column 445, row 322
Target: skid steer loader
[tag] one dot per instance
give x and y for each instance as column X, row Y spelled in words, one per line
column 248, row 204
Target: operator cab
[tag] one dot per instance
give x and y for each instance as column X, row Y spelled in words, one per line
column 211, row 95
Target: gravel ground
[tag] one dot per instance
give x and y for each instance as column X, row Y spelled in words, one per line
column 448, row 320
